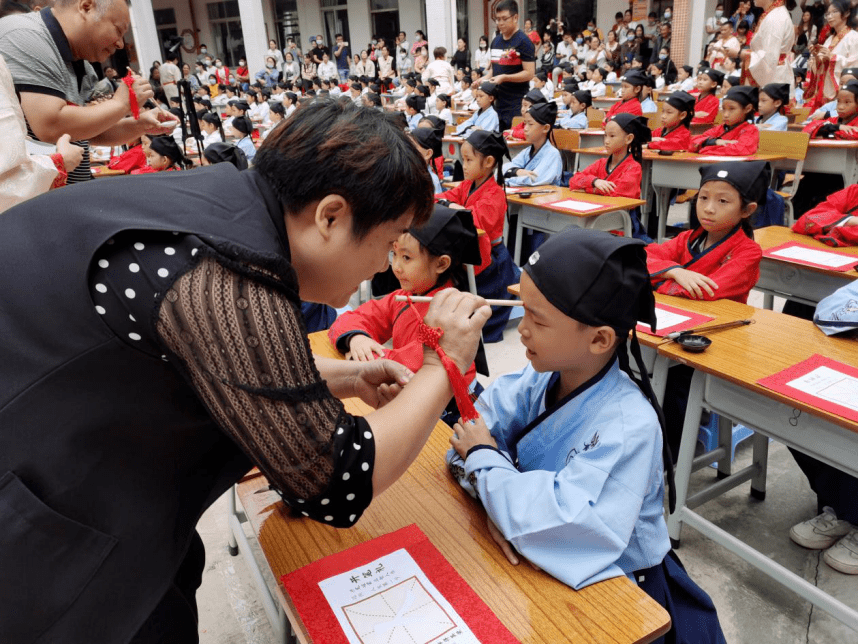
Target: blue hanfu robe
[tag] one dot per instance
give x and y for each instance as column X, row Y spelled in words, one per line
column 775, row 123
column 246, row 145
column 648, row 106
column 436, row 182
column 579, row 490
column 546, row 163
column 838, row 313
column 577, row 121
column 486, row 119
column 413, row 120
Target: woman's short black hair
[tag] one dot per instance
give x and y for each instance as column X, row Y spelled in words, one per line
column 379, row 171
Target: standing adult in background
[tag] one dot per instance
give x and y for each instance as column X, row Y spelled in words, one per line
column 274, row 52
column 170, row 76
column 663, row 41
column 805, row 33
column 652, row 29
column 768, row 57
column 532, row 33
column 341, row 55
column 513, row 63
column 402, row 41
column 204, row 53
column 461, row 58
column 482, row 56
column 742, row 14
column 319, row 50
column 419, row 41
column 828, row 59
column 292, row 48
column 49, row 54
column 712, row 27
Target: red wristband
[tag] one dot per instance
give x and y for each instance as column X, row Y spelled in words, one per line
column 132, row 97
column 62, row 174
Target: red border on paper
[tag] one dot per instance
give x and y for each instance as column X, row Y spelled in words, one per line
column 778, row 382
column 318, row 617
column 695, row 320
column 840, row 269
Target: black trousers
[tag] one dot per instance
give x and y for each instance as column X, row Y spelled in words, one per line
column 174, row 620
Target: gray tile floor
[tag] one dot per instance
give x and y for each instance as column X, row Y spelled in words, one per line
column 753, row 608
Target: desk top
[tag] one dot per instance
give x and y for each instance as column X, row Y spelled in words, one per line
column 832, row 143
column 610, row 204
column 772, row 236
column 685, row 157
column 452, row 138
column 535, row 607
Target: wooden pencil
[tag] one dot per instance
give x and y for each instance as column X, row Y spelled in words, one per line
column 423, row 298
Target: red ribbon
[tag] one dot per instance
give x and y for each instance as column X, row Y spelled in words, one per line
column 431, row 337
column 132, row 97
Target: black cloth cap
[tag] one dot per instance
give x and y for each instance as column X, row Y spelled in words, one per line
column 683, row 101
column 411, row 82
column 611, row 285
column 433, row 82
column 734, row 80
column 743, row 95
column 570, row 85
column 491, row 144
column 851, row 86
column 714, row 74
column 166, row 146
column 584, row 96
column 777, row 92
column 242, row 124
column 635, row 78
column 544, row 113
column 429, row 138
column 226, row 153
column 535, row 96
column 489, row 88
column 355, row 86
column 632, row 124
column 242, row 105
column 750, row 178
column 437, row 122
column 416, row 102
column 450, row 232
column 802, row 74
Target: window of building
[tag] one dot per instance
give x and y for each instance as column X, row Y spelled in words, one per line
column 335, row 17
column 385, row 18
column 286, row 20
column 227, row 39
column 462, row 20
column 165, row 23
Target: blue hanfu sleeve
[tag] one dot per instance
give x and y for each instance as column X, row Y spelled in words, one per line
column 547, row 164
column 465, row 125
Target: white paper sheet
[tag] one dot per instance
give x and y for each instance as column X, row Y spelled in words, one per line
column 37, row 147
column 665, row 319
column 720, row 159
column 821, row 257
column 392, row 600
column 829, row 385
column 578, row 206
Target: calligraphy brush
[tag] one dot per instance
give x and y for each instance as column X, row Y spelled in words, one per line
column 670, row 337
column 423, row 298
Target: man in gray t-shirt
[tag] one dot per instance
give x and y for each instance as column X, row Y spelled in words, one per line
column 48, row 54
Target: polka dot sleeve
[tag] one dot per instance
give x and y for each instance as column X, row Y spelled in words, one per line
column 243, row 347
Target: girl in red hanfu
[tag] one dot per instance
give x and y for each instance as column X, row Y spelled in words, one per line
column 618, row 175
column 533, row 97
column 843, row 126
column 676, row 115
column 425, row 260
column 632, row 86
column 707, row 106
column 737, row 136
column 834, row 221
column 718, row 257
column 483, row 194
column 133, row 158
column 164, row 155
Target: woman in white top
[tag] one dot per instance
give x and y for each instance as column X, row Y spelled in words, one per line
column 365, row 67
column 482, row 55
column 805, row 33
column 839, row 52
column 291, row 68
column 274, row 52
column 612, row 47
column 596, row 53
column 328, row 69
column 725, row 46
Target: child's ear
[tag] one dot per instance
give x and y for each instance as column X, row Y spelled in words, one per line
column 629, row 138
column 749, row 109
column 603, row 341
column 442, row 263
column 750, row 209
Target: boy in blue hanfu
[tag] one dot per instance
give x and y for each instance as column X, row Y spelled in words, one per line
column 567, row 455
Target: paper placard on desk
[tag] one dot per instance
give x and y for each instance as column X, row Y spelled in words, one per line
column 670, row 319
column 822, row 382
column 799, row 253
column 574, row 205
column 717, row 159
column 511, row 190
column 395, row 588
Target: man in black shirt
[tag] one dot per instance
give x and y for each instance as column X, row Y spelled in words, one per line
column 320, row 50
column 513, row 63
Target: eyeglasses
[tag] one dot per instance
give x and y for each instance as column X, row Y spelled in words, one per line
column 830, row 14
column 503, row 18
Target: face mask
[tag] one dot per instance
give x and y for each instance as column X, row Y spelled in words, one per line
column 232, row 79
column 667, row 15
column 630, row 37
column 319, row 43
column 591, row 28
column 374, row 42
column 483, row 45
column 718, row 13
column 199, row 70
column 662, row 56
column 203, row 50
column 218, row 64
column 241, row 63
column 579, row 41
column 270, row 66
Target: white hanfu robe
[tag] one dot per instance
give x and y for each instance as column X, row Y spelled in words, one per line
column 585, row 503
column 771, row 48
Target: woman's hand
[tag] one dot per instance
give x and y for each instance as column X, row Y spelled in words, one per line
column 378, row 382
column 470, row 434
column 362, row 348
column 461, row 317
column 694, row 283
column 72, row 154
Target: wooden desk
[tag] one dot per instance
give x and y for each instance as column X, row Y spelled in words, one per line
column 535, row 213
column 725, row 381
column 605, row 102
column 532, row 605
column 830, row 156
column 805, row 284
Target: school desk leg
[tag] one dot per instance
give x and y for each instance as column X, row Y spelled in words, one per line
column 231, row 512
column 663, row 205
column 768, row 301
column 659, row 377
column 682, row 475
column 519, row 233
column 761, row 462
column 725, row 440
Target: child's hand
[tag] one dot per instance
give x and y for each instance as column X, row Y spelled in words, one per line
column 527, row 173
column 363, row 349
column 724, row 142
column 694, row 283
column 505, row 546
column 471, row 434
column 848, row 129
column 656, row 139
column 852, row 221
column 701, row 115
column 603, row 186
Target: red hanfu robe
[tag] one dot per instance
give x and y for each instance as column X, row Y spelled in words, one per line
column 517, row 133
column 488, row 206
column 733, row 263
column 131, row 159
column 709, row 104
column 813, row 128
column 679, row 138
column 746, row 133
column 821, row 221
column 631, row 106
column 387, row 319
column 626, row 176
